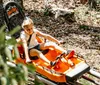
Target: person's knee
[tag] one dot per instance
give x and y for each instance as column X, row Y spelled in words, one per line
column 34, row 52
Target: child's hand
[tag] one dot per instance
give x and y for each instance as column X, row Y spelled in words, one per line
column 62, row 42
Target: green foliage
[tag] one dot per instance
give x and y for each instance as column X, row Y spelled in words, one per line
column 14, row 30
column 37, row 82
column 98, row 1
column 17, row 75
column 30, row 68
column 84, row 27
column 46, row 11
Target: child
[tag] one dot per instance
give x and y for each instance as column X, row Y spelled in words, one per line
column 28, row 37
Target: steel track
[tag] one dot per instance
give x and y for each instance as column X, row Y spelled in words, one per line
column 49, row 82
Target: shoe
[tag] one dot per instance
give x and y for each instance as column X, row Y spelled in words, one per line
column 53, row 63
column 71, row 63
column 64, row 54
column 28, row 61
column 60, row 56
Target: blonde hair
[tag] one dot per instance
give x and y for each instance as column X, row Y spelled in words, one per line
column 27, row 21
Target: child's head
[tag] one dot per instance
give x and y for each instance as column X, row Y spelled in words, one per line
column 27, row 25
column 27, row 21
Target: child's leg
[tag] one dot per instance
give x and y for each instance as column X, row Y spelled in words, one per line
column 27, row 59
column 52, row 45
column 34, row 52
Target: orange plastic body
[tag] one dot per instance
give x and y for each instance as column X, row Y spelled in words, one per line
column 55, row 73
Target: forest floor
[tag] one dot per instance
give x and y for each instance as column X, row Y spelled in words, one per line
column 83, row 39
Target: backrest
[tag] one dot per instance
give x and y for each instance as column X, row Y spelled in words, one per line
column 14, row 16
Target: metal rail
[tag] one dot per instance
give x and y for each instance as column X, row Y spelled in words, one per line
column 48, row 82
column 94, row 73
column 91, row 80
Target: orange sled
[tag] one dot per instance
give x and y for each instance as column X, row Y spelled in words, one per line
column 68, row 67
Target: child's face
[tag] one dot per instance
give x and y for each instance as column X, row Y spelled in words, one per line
column 29, row 29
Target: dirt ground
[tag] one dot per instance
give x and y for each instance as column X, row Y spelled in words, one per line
column 83, row 39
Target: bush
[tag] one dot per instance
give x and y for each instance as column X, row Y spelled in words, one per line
column 9, row 75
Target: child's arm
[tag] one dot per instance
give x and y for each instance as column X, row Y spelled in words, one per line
column 24, row 43
column 25, row 49
column 47, row 36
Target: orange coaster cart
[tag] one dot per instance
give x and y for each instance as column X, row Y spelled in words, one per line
column 62, row 71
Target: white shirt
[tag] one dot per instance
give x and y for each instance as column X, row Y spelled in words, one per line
column 33, row 40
